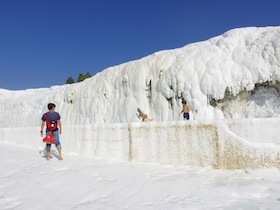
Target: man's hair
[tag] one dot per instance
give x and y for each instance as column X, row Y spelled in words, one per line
column 51, row 105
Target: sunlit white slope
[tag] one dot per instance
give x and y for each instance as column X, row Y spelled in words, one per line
column 201, row 72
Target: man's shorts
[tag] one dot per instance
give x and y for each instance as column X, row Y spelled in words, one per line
column 56, row 136
column 186, row 116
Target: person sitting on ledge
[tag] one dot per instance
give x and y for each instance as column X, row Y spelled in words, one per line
column 143, row 116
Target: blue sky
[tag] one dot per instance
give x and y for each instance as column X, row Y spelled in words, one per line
column 43, row 42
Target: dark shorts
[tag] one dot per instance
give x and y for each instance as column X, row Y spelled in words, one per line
column 186, row 116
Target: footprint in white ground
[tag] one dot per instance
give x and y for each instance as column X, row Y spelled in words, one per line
column 164, row 175
column 62, row 169
column 182, row 200
column 90, row 202
column 102, row 178
column 7, row 175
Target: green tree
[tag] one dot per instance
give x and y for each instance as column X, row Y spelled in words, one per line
column 88, row 75
column 70, row 80
column 82, row 77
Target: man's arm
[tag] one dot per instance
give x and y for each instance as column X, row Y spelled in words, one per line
column 42, row 127
column 181, row 111
column 60, row 126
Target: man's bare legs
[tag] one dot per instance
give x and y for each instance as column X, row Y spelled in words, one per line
column 48, row 150
column 48, row 153
column 59, row 152
column 148, row 119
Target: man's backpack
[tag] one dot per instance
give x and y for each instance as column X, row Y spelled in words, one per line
column 51, row 125
column 49, row 139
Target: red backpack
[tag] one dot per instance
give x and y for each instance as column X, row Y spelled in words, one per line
column 49, row 139
column 51, row 125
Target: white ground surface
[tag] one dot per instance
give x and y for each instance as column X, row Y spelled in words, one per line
column 28, row 181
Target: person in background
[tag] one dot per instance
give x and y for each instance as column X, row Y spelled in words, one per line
column 142, row 115
column 54, row 118
column 186, row 110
